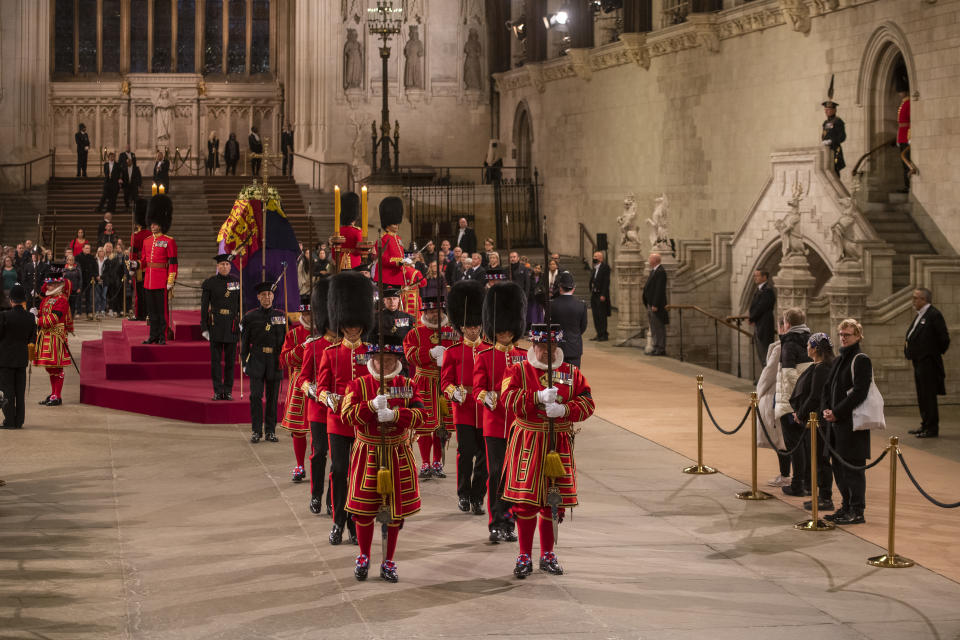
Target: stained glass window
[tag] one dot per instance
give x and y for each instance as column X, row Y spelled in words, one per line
column 186, row 35
column 87, row 40
column 260, row 40
column 63, row 37
column 162, row 16
column 110, row 61
column 213, row 37
column 237, row 30
column 138, row 36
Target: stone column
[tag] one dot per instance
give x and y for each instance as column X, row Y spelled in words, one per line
column 630, row 276
column 794, row 283
column 847, row 292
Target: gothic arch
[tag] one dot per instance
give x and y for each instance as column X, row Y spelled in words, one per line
column 523, row 140
column 878, row 58
column 821, row 268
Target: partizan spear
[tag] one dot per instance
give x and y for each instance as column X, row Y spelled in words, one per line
column 552, row 464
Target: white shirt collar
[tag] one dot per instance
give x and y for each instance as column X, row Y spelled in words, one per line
column 923, row 309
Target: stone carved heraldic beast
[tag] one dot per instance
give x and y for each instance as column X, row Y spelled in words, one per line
column 658, row 223
column 842, row 232
column 629, row 232
column 791, row 238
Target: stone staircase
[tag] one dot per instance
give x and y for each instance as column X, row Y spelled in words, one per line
column 895, row 225
column 195, row 230
column 18, row 215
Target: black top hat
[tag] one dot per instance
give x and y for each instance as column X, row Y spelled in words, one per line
column 431, row 303
column 391, row 211
column 266, row 285
column 223, row 257
column 349, row 208
column 539, row 333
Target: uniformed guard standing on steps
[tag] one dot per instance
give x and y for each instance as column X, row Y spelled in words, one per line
column 262, row 336
column 159, row 268
column 220, row 324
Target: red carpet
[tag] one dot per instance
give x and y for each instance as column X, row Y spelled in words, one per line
column 167, row 381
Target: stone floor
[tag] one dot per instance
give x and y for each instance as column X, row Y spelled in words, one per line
column 115, row 525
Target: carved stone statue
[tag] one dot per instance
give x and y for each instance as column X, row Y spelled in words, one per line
column 352, row 61
column 413, row 11
column 472, row 10
column 791, row 239
column 842, row 232
column 352, row 10
column 629, row 231
column 658, row 223
column 163, row 118
column 472, row 77
column 413, row 67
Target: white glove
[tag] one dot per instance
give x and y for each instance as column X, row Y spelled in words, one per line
column 547, row 396
column 34, row 311
column 385, row 415
column 408, row 261
column 555, row 410
column 206, row 335
column 169, row 286
column 310, row 388
column 826, row 143
column 437, row 353
column 379, row 403
column 459, row 395
column 243, row 370
column 490, row 400
column 332, row 401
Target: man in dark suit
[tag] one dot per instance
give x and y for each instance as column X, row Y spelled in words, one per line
column 161, row 171
column 476, row 270
column 112, row 177
column 83, row 146
column 518, row 272
column 18, row 328
column 256, row 146
column 761, row 313
column 571, row 314
column 600, row 296
column 466, row 238
column 655, row 300
column 132, row 179
column 926, row 342
column 286, row 147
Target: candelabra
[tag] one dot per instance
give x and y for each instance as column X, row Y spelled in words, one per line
column 385, row 21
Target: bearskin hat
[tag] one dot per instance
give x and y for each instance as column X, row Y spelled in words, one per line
column 160, row 211
column 140, row 213
column 391, row 211
column 504, row 309
column 465, row 304
column 350, row 301
column 349, row 208
column 318, row 307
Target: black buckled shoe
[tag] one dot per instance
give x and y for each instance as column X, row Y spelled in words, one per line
column 362, row 567
column 217, row 396
column 271, row 437
column 160, row 341
column 336, row 534
column 425, row 472
column 524, row 566
column 477, row 508
column 55, row 402
column 44, row 401
column 463, row 504
column 227, row 396
column 507, row 535
column 550, row 564
column 149, row 341
column 388, row 571
column 495, row 535
column 255, row 438
column 438, row 470
column 316, row 505
column 850, row 518
column 299, row 474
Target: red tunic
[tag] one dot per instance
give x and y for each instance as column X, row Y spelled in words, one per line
column 312, row 354
column 529, row 441
column 410, row 296
column 159, row 261
column 392, row 260
column 362, row 496
column 488, row 371
column 53, row 323
column 291, row 359
column 416, row 348
column 341, row 364
column 457, row 371
column 903, row 122
column 349, row 255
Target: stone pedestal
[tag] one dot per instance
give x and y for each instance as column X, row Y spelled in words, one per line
column 629, row 273
column 794, row 283
column 847, row 292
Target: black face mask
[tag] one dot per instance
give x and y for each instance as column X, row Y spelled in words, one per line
column 595, row 261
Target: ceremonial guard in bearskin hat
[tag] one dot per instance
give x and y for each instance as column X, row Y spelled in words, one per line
column 382, row 407
column 424, row 347
column 140, row 233
column 263, row 331
column 465, row 308
column 159, row 268
column 350, row 309
column 547, row 396
column 54, row 322
column 504, row 313
column 220, row 324
column 313, row 347
column 349, row 255
column 295, row 407
column 391, row 215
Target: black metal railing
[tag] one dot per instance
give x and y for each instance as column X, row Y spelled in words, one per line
column 443, row 205
column 27, row 167
column 587, row 259
column 339, row 169
column 516, row 210
column 717, row 322
column 475, row 174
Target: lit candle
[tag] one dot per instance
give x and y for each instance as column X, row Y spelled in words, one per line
column 153, row 189
column 363, row 211
column 336, row 210
column 161, row 189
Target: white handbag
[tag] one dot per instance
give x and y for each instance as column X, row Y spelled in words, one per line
column 869, row 415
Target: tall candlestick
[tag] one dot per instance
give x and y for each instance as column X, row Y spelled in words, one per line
column 336, row 210
column 364, row 215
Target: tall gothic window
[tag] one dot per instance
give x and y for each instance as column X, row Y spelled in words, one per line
column 218, row 37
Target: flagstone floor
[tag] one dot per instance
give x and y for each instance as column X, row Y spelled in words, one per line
column 114, row 525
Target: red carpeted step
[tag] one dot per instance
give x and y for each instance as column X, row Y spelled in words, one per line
column 185, row 371
column 170, row 399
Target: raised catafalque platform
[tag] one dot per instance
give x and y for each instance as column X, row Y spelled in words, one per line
column 167, row 381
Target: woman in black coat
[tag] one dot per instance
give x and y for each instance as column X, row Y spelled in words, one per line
column 806, row 400
column 843, row 393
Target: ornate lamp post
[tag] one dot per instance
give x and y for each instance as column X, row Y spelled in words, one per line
column 385, row 21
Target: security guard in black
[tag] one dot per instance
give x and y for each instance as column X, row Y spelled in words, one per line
column 220, row 324
column 262, row 334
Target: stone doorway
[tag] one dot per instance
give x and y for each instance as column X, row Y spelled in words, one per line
column 523, row 143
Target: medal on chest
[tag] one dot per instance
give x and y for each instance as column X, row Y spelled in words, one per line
column 361, row 359
column 267, row 328
column 516, row 359
column 558, row 378
column 401, row 393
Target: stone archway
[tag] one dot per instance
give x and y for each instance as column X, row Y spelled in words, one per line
column 523, row 142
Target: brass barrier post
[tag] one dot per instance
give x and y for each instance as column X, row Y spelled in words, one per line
column 699, row 468
column 891, row 560
column 754, row 493
column 814, row 523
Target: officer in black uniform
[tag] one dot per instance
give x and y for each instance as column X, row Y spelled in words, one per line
column 220, row 324
column 18, row 329
column 396, row 321
column 263, row 330
column 833, row 133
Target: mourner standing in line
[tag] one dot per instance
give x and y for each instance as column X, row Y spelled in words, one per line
column 600, row 296
column 112, row 179
column 132, row 179
column 220, row 324
column 159, row 268
column 761, row 313
column 260, row 341
column 161, row 171
column 655, row 300
column 571, row 314
column 231, row 155
column 18, row 329
column 926, row 342
column 256, row 147
column 286, row 147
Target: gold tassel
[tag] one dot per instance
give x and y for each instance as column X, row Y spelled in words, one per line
column 384, row 482
column 444, row 407
column 553, row 466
